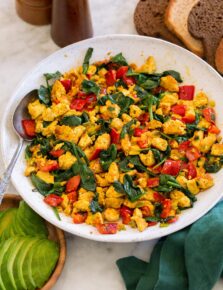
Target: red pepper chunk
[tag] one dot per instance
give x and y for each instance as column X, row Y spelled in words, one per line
column 192, row 171
column 29, row 127
column 78, row 104
column 67, row 84
column 115, row 136
column 158, row 197
column 110, row 77
column 72, row 196
column 57, row 153
column 139, row 131
column 95, row 154
column 108, row 228
column 125, row 213
column 209, row 114
column 145, row 211
column 73, row 183
column 121, row 72
column 50, row 165
column 151, row 224
column 153, row 182
column 80, row 217
column 171, row 167
column 214, row 129
column 192, row 153
column 186, row 92
column 188, row 119
column 129, row 81
column 184, row 145
column 142, row 143
column 179, row 110
column 166, row 208
column 53, row 200
column 143, row 118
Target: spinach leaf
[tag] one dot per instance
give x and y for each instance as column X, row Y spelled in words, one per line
column 43, row 187
column 108, row 156
column 149, row 84
column 86, row 174
column 174, row 74
column 104, row 99
column 123, row 165
column 141, row 93
column 84, row 117
column 135, row 160
column 119, row 59
column 213, row 164
column 90, row 87
column 104, row 127
column 133, row 192
column 126, row 129
column 160, row 118
column 95, row 206
column 44, row 95
column 87, row 57
column 52, row 77
column 45, row 145
column 118, row 186
column 79, row 153
column 28, row 153
column 71, row 121
column 122, row 101
column 62, row 175
column 157, row 218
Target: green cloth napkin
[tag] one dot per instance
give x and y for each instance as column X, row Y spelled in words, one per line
column 190, row 259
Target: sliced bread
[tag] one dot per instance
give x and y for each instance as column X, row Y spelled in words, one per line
column 176, row 16
column 219, row 57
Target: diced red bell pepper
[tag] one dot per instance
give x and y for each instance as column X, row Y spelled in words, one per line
column 57, row 153
column 166, row 208
column 50, row 165
column 73, row 183
column 158, row 197
column 173, row 220
column 192, row 153
column 192, row 171
column 139, row 131
column 82, row 94
column 145, row 211
column 158, row 90
column 143, row 118
column 209, row 114
column 78, row 104
column 214, row 129
column 67, row 84
column 29, row 127
column 125, row 213
column 53, row 200
column 171, row 167
column 110, row 77
column 121, row 72
column 151, row 224
column 80, row 217
column 142, row 143
column 179, row 110
column 153, row 182
column 186, row 92
column 95, row 154
column 107, row 228
column 72, row 196
column 184, row 146
column 115, row 136
column 129, row 81
column 188, row 119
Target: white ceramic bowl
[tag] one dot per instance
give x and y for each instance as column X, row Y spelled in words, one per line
column 136, row 49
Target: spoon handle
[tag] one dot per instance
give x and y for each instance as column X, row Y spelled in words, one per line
column 7, row 174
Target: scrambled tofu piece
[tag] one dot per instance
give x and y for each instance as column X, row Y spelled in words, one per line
column 58, row 91
column 148, row 158
column 39, row 126
column 117, row 124
column 217, row 150
column 175, row 127
column 85, row 141
column 48, row 115
column 83, row 194
column 168, row 99
column 135, row 111
column 101, row 181
column 111, row 192
column 68, row 134
column 139, row 220
column 182, row 180
column 126, row 144
column 36, row 109
column 113, row 173
column 110, row 110
column 169, row 83
column 111, row 214
column 159, row 143
column 200, row 99
column 103, row 141
column 180, row 199
column 149, row 66
column 205, row 182
column 60, row 109
column 66, row 160
column 126, row 118
column 193, row 186
column 113, row 202
column 176, row 154
column 207, row 142
column 95, row 166
column 81, row 205
column 50, row 130
column 94, row 219
column 154, row 124
column 197, row 138
column 45, row 176
column 203, row 124
column 101, row 195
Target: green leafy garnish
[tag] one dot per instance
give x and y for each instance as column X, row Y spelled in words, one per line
column 133, row 192
column 119, row 59
column 126, row 129
column 71, row 121
column 94, row 205
column 87, row 57
column 108, row 156
column 174, row 74
column 90, row 87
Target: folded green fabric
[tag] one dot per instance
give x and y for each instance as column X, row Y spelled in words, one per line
column 190, row 259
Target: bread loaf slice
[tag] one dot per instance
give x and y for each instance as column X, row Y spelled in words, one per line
column 176, row 16
column 219, row 57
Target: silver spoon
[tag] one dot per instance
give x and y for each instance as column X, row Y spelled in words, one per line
column 20, row 114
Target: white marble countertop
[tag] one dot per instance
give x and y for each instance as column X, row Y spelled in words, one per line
column 89, row 265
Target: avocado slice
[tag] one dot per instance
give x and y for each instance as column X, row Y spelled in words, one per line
column 4, row 246
column 2, row 213
column 44, row 261
column 6, row 219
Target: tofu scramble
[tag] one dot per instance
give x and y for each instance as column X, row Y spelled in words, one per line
column 116, row 144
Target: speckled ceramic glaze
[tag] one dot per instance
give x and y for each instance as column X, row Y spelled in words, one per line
column 136, row 49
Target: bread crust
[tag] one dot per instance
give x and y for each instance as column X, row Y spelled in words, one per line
column 219, row 57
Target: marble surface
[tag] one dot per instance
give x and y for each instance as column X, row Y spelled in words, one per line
column 89, row 264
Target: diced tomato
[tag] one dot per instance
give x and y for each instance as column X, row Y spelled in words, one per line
column 78, row 104
column 214, row 129
column 115, row 136
column 173, row 220
column 121, row 72
column 108, row 228
column 145, row 211
column 209, row 114
column 166, row 208
column 82, row 94
column 125, row 213
column 110, row 77
column 129, row 81
column 73, row 183
column 192, row 172
column 171, row 167
column 153, row 182
column 184, row 145
column 179, row 109
column 151, row 224
column 158, row 90
column 188, row 119
column 67, row 84
column 80, row 217
column 90, row 102
column 192, row 153
column 95, row 154
column 53, row 200
column 142, row 143
column 186, row 92
column 158, row 197
column 143, row 118
column 57, row 153
column 72, row 196
column 29, row 127
column 50, row 165
column 139, row 131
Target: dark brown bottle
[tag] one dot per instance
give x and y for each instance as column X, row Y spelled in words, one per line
column 71, row 21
